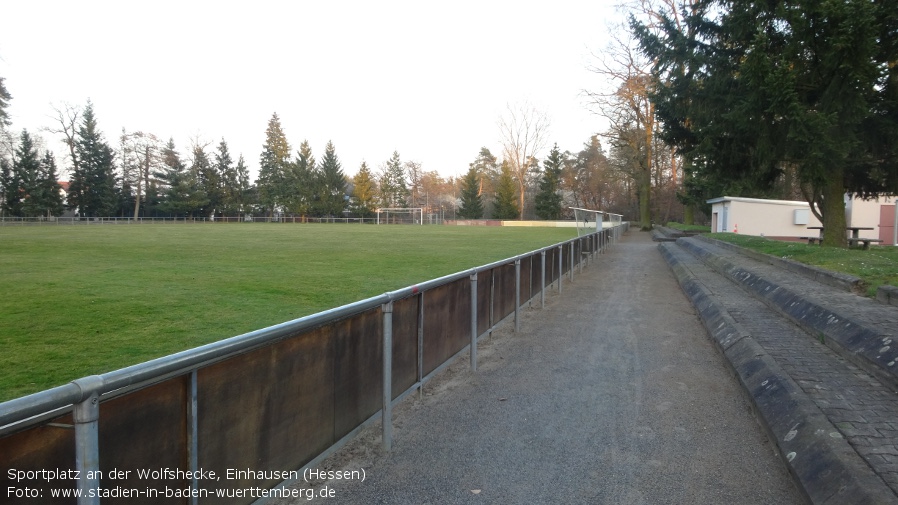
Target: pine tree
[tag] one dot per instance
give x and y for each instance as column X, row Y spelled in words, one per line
column 205, row 185
column 751, row 87
column 30, row 182
column 174, row 176
column 471, row 200
column 304, row 181
column 275, row 171
column 50, row 189
column 92, row 190
column 331, row 184
column 5, row 97
column 364, row 193
column 393, row 187
column 506, row 197
column 548, row 199
column 230, row 185
column 245, row 193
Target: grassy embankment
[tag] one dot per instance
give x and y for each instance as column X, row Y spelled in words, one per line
column 90, row 299
column 875, row 267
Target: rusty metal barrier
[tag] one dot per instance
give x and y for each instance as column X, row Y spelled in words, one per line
column 283, row 397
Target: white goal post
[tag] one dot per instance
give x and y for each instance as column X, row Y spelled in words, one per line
column 400, row 215
column 588, row 220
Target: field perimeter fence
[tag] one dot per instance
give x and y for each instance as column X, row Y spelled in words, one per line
column 260, row 408
column 427, row 218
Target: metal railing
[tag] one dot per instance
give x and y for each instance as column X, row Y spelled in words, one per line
column 286, row 396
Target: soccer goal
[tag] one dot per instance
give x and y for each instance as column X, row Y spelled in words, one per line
column 401, row 215
column 588, row 221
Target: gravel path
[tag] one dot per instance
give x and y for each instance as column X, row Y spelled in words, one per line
column 611, row 394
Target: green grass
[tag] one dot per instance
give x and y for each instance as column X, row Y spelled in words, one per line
column 876, row 266
column 689, row 227
column 90, row 299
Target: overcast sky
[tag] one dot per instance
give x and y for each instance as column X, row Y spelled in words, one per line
column 426, row 79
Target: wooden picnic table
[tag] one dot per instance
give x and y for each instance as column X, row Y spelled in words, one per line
column 855, row 230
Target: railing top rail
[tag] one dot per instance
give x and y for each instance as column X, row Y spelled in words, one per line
column 60, row 397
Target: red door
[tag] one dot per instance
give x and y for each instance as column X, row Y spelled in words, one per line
column 886, row 223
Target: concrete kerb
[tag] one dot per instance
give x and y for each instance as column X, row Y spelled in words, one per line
column 863, row 346
column 823, row 464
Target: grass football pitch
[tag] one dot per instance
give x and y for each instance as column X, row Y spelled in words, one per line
column 83, row 300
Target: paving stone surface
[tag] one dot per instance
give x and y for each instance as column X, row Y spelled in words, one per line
column 863, row 409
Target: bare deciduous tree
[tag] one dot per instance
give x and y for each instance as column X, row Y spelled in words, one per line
column 524, row 133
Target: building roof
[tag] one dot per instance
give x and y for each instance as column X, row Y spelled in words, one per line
column 793, row 203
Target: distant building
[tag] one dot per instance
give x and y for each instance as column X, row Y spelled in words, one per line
column 788, row 219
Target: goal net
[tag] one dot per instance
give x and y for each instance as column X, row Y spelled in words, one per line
column 588, row 221
column 401, row 215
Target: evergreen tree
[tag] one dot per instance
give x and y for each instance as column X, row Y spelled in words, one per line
column 275, row 171
column 92, row 190
column 230, row 185
column 176, row 180
column 22, row 180
column 205, row 194
column 506, row 197
column 548, row 199
column 364, row 193
column 50, row 189
column 471, row 200
column 5, row 97
column 246, row 192
column 754, row 87
column 487, row 167
column 304, row 181
column 393, row 187
column 331, row 184
column 30, row 182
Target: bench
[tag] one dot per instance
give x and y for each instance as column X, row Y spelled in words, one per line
column 865, row 241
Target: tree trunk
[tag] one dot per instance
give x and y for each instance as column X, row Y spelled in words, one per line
column 689, row 214
column 645, row 208
column 834, row 233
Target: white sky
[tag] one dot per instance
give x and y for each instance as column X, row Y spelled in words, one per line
column 426, row 79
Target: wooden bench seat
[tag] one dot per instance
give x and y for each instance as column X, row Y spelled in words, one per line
column 865, row 241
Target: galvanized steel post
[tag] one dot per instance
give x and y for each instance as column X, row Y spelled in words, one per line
column 571, row 245
column 517, row 295
column 474, row 322
column 86, row 415
column 421, row 344
column 560, row 266
column 542, row 286
column 387, row 411
column 192, row 438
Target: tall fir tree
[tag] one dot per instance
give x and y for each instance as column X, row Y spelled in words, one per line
column 393, row 186
column 175, row 199
column 31, row 184
column 50, row 190
column 471, row 199
column 227, row 174
column 92, row 190
column 364, row 192
column 331, row 184
column 275, row 170
column 246, row 192
column 751, row 88
column 206, row 190
column 548, row 198
column 5, row 98
column 304, row 181
column 506, row 195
